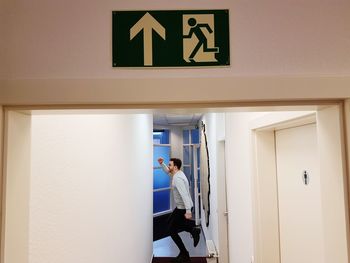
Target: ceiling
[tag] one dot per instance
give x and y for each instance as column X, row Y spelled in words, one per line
column 176, row 119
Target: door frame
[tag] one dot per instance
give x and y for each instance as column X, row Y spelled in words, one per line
column 208, row 107
column 222, row 209
column 264, row 177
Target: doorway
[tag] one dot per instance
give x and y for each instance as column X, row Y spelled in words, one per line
column 300, row 205
column 175, row 135
column 299, row 195
column 238, row 208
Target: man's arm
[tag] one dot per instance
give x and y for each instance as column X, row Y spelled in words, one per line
column 163, row 165
column 186, row 198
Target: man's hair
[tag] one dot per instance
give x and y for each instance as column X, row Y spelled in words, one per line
column 177, row 162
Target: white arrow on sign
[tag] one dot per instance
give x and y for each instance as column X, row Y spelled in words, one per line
column 147, row 23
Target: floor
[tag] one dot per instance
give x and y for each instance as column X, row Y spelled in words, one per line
column 166, row 247
column 168, row 260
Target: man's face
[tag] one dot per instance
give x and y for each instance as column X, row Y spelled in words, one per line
column 171, row 166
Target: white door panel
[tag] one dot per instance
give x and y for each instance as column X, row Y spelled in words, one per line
column 300, row 211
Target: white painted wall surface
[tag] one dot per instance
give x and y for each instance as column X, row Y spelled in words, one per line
column 332, row 185
column 347, row 135
column 176, row 140
column 217, row 230
column 18, row 163
column 61, row 52
column 3, row 63
column 222, row 217
column 239, row 185
column 72, row 39
column 1, row 180
column 265, row 203
column 91, row 189
column 211, row 232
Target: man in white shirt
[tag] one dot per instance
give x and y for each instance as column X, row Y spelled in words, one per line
column 180, row 219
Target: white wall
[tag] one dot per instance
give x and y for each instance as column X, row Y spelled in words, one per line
column 1, row 183
column 211, row 232
column 68, row 39
column 265, row 203
column 176, row 140
column 215, row 131
column 347, row 135
column 239, row 186
column 332, row 173
column 222, row 217
column 3, row 63
column 60, row 52
column 91, row 189
column 17, row 181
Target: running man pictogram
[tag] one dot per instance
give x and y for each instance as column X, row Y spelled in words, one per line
column 200, row 31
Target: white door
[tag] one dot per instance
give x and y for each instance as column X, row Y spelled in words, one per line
column 298, row 179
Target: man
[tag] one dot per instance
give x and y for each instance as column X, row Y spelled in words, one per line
column 180, row 219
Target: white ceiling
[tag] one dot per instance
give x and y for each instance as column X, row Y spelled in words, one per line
column 176, row 119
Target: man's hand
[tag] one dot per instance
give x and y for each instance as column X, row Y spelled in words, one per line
column 160, row 160
column 188, row 215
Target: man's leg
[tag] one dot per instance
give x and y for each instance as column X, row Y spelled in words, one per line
column 175, row 223
column 190, row 226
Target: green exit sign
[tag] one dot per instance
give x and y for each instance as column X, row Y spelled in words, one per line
column 186, row 38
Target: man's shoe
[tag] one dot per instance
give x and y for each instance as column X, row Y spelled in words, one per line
column 196, row 235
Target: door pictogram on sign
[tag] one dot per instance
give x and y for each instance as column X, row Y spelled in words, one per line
column 170, row 38
column 199, row 38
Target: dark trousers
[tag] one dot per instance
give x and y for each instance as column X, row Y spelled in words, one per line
column 178, row 223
